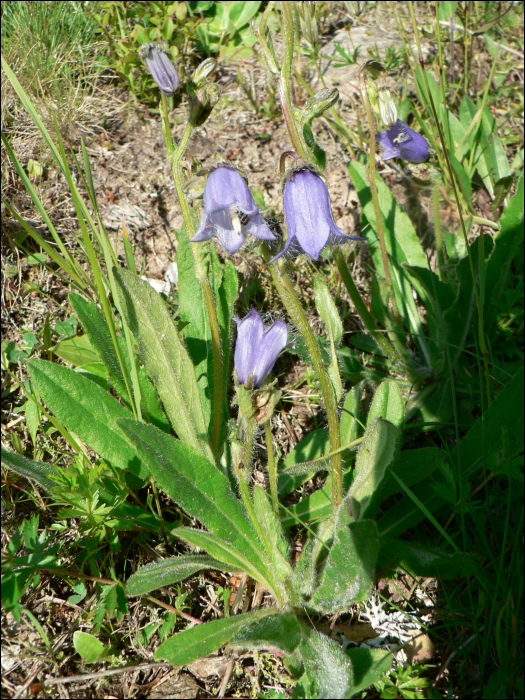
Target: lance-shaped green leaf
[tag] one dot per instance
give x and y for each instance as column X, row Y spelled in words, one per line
column 348, row 573
column 334, row 326
column 375, row 454
column 37, row 471
column 99, row 334
column 276, row 543
column 201, row 489
column 388, row 404
column 165, row 357
column 167, row 571
column 201, row 640
column 350, row 425
column 327, row 666
column 423, row 561
column 279, row 631
column 87, row 410
column 235, row 557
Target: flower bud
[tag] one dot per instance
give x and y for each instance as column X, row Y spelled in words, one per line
column 371, row 68
column 308, row 22
column 160, row 66
column 203, row 103
column 257, row 350
column 373, row 94
column 319, row 103
column 202, row 71
column 387, row 106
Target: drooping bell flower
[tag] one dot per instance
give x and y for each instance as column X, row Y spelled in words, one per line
column 400, row 141
column 257, row 350
column 309, row 221
column 160, row 66
column 230, row 212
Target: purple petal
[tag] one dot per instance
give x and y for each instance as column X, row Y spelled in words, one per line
column 389, row 149
column 259, row 228
column 226, row 187
column 273, row 341
column 250, row 331
column 307, row 211
column 228, row 236
column 289, row 240
column 400, row 141
column 205, row 231
column 162, row 70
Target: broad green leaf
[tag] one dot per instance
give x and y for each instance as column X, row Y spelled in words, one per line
column 201, row 640
column 88, row 411
column 33, row 418
column 388, row 404
column 506, row 244
column 37, row 471
column 369, row 665
column 334, row 326
column 88, row 646
column 77, row 351
column 375, row 454
column 423, row 561
column 197, row 486
column 277, row 545
column 279, row 631
column 411, row 466
column 327, row 666
column 167, row 571
column 462, row 180
column 97, row 329
column 348, row 573
column 234, row 557
column 165, row 357
column 311, row 447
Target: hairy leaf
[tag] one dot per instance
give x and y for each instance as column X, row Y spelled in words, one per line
column 327, row 666
column 281, row 631
column 201, row 640
column 167, row 571
column 388, row 404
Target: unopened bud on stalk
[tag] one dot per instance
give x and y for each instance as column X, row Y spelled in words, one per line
column 387, row 106
column 423, row 175
column 308, row 22
column 203, row 71
column 372, row 69
column 203, row 103
column 162, row 70
column 319, row 103
column 373, row 94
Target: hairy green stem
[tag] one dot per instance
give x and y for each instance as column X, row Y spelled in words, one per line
column 272, row 471
column 175, row 154
column 285, row 81
column 296, row 312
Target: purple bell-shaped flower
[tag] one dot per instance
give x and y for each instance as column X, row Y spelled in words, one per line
column 230, row 212
column 161, row 68
column 400, row 141
column 257, row 350
column 309, row 221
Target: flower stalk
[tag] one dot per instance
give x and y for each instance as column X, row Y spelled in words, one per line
column 296, row 312
column 175, row 155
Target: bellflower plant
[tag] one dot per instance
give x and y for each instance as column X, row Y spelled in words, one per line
column 161, row 68
column 309, row 220
column 230, row 212
column 400, row 141
column 257, row 350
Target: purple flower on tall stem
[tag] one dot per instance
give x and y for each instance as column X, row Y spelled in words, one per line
column 309, row 221
column 230, row 212
column 257, row 350
column 161, row 68
column 400, row 141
